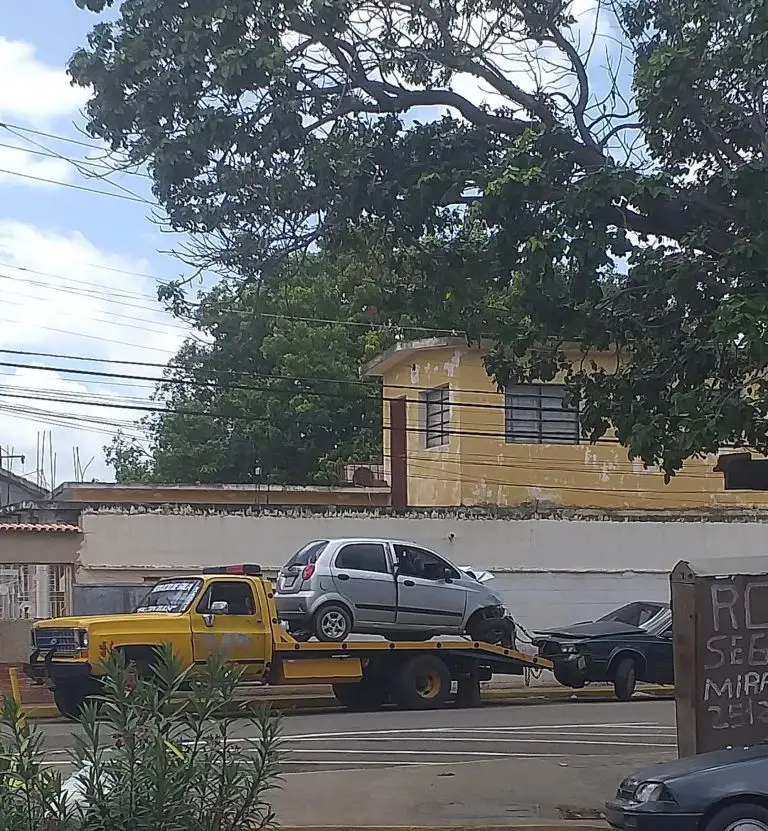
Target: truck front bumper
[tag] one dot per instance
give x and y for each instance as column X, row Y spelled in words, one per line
column 49, row 670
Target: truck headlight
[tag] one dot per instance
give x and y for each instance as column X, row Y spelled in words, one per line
column 82, row 638
column 649, row 792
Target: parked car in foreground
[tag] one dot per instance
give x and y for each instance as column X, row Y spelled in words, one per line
column 722, row 791
column 403, row 591
column 610, row 651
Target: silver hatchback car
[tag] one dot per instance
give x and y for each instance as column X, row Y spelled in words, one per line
column 401, row 590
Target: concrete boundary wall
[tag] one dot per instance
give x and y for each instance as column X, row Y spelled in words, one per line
column 139, row 541
column 551, row 571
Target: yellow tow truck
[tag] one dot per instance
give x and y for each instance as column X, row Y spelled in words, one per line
column 230, row 611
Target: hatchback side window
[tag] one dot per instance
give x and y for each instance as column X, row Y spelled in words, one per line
column 363, row 557
column 418, row 562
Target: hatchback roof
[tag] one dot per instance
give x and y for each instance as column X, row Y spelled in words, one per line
column 370, row 539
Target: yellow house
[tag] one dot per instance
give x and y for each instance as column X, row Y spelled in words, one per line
column 451, row 438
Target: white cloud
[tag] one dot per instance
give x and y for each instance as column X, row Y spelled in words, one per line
column 59, row 293
column 21, row 165
column 32, row 91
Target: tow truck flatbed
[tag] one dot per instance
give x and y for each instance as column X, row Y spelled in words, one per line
column 365, row 675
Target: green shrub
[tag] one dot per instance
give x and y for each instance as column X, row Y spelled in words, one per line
column 155, row 752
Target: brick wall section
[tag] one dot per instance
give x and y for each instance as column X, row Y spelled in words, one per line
column 30, row 693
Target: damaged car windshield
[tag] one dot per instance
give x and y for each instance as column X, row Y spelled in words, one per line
column 170, row 596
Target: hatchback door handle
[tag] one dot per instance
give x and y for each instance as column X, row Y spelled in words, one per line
column 408, row 583
column 343, row 576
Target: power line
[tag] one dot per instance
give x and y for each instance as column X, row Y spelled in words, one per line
column 99, row 266
column 321, row 321
column 216, row 387
column 228, row 372
column 77, row 164
column 132, row 295
column 49, row 154
column 228, row 417
column 94, row 145
column 447, row 457
column 487, row 460
column 69, row 421
column 73, row 186
column 416, row 463
column 80, row 293
column 90, row 337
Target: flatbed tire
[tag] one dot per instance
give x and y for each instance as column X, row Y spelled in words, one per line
column 422, row 683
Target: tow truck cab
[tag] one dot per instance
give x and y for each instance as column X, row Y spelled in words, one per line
column 226, row 610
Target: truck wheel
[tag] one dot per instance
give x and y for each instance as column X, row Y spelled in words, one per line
column 422, row 683
column 70, row 699
column 625, row 679
column 364, row 695
column 332, row 622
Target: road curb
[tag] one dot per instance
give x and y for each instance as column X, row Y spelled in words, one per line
column 289, row 704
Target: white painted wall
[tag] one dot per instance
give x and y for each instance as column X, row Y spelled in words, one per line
column 552, row 571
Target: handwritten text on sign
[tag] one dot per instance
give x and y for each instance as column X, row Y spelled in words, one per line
column 735, row 678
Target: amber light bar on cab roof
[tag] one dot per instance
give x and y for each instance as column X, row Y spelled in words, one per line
column 247, row 570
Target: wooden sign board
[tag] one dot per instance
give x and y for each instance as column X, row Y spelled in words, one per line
column 720, row 635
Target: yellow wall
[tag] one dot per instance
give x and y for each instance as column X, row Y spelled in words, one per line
column 486, row 470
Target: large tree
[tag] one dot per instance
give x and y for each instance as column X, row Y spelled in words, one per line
column 636, row 219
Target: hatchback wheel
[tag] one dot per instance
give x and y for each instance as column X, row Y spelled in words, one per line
column 332, row 622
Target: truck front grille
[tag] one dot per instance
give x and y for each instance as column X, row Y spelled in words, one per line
column 64, row 641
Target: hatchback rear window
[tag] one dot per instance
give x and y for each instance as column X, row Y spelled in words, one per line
column 308, row 554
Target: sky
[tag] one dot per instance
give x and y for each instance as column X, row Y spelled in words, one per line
column 79, row 270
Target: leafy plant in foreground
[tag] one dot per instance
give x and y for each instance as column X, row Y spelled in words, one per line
column 156, row 751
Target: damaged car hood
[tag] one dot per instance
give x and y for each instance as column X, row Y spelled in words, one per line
column 585, row 631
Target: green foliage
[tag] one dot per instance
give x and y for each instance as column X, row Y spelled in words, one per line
column 275, row 127
column 144, row 760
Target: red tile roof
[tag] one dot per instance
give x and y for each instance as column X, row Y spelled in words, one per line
column 39, row 528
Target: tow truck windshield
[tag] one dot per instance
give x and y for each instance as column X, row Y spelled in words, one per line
column 170, row 596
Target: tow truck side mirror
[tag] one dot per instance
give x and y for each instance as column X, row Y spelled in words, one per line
column 218, row 607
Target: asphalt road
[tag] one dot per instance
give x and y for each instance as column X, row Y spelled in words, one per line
column 484, row 765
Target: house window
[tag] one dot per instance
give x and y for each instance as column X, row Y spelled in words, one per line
column 437, row 420
column 743, row 473
column 60, row 587
column 537, row 414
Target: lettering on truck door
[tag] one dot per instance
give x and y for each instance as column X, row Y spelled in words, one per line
column 239, row 633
